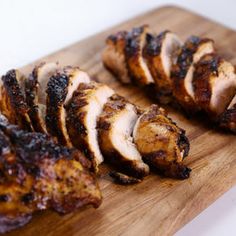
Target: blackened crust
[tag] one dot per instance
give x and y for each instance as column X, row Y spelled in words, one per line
column 17, row 100
column 123, row 179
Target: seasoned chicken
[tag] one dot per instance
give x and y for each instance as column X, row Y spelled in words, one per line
column 137, row 66
column 114, row 58
column 115, row 126
column 214, row 84
column 36, row 86
column 38, row 174
column 12, row 100
column 60, row 89
column 182, row 73
column 228, row 118
column 82, row 112
column 161, row 53
column 162, row 144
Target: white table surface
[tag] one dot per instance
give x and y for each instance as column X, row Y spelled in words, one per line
column 32, row 29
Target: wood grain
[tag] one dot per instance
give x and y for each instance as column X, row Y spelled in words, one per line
column 157, row 206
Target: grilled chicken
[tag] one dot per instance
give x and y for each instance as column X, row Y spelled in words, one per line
column 35, row 90
column 182, row 73
column 115, row 127
column 60, row 89
column 162, row 144
column 114, row 58
column 228, row 118
column 38, row 174
column 137, row 66
column 214, row 84
column 161, row 53
column 82, row 112
column 12, row 100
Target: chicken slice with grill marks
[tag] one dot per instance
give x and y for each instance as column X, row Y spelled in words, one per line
column 60, row 89
column 214, row 84
column 162, row 144
column 137, row 66
column 114, row 58
column 228, row 119
column 161, row 53
column 182, row 73
column 115, row 126
column 38, row 174
column 36, row 85
column 82, row 112
column 12, row 99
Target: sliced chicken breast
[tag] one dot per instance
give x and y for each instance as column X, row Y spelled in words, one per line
column 214, row 84
column 161, row 53
column 114, row 58
column 12, row 99
column 137, row 66
column 228, row 118
column 36, row 86
column 115, row 126
column 162, row 144
column 182, row 73
column 60, row 89
column 82, row 113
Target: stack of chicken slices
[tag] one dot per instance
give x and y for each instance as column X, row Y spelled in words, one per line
column 190, row 74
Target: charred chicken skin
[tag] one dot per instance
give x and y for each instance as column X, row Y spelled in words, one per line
column 162, row 144
column 37, row 174
column 12, row 100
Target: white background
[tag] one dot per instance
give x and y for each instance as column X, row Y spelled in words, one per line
column 32, row 29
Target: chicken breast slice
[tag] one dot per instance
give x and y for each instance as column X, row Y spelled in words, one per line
column 162, row 144
column 161, row 53
column 182, row 73
column 114, row 58
column 137, row 66
column 12, row 99
column 228, row 118
column 60, row 89
column 82, row 114
column 36, row 86
column 214, row 84
column 115, row 126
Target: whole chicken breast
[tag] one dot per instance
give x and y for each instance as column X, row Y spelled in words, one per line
column 114, row 58
column 214, row 84
column 160, row 54
column 38, row 174
column 162, row 144
column 36, row 86
column 115, row 126
column 137, row 66
column 12, row 99
column 182, row 73
column 60, row 89
column 82, row 113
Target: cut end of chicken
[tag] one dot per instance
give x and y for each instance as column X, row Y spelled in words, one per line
column 182, row 72
column 114, row 56
column 60, row 89
column 161, row 53
column 36, row 85
column 214, row 84
column 162, row 144
column 82, row 114
column 137, row 66
column 228, row 118
column 115, row 127
column 13, row 103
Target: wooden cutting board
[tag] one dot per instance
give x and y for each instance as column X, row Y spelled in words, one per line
column 157, row 206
